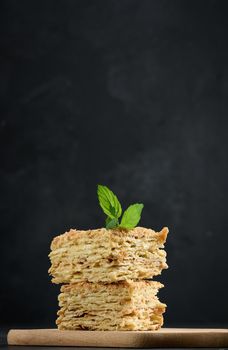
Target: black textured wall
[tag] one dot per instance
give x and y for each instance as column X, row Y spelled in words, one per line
column 131, row 94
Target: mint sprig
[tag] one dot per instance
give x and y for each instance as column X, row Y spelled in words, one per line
column 112, row 208
column 132, row 216
column 112, row 223
column 109, row 202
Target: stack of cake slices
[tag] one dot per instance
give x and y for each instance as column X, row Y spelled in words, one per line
column 105, row 276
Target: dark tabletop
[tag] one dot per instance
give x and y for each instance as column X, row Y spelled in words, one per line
column 66, row 348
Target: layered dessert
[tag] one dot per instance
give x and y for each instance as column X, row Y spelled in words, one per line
column 107, row 256
column 126, row 305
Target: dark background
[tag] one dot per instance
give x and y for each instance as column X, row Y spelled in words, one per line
column 131, row 94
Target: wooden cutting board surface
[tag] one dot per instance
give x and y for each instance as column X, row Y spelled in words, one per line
column 166, row 337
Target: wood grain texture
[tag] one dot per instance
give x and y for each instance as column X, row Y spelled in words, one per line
column 166, row 337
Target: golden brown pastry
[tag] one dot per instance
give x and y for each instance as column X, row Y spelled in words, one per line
column 127, row 305
column 103, row 255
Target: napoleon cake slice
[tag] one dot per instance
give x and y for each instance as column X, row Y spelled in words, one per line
column 108, row 256
column 126, row 305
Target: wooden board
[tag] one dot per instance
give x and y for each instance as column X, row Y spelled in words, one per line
column 166, row 337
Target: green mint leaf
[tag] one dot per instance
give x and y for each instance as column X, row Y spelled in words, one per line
column 112, row 223
column 109, row 202
column 107, row 220
column 131, row 216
